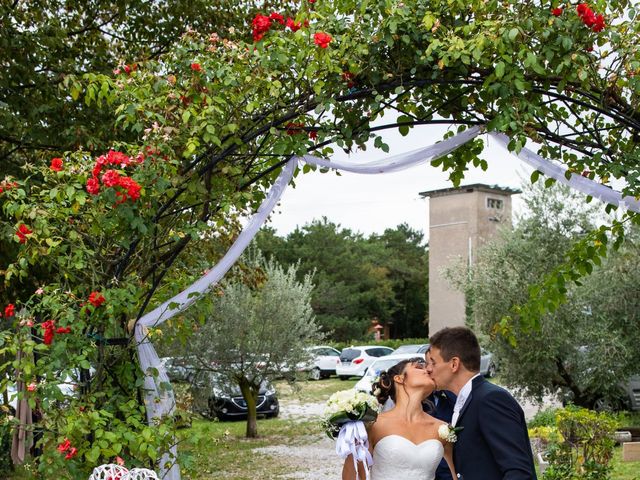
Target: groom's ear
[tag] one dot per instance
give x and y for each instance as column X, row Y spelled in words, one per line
column 455, row 364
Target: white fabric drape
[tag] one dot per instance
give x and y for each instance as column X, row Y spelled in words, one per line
column 159, row 399
column 577, row 182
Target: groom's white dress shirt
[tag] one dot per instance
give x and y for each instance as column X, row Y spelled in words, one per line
column 464, row 393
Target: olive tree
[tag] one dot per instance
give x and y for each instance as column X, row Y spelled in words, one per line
column 587, row 345
column 257, row 333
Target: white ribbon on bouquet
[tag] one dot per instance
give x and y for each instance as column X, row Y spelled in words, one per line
column 353, row 440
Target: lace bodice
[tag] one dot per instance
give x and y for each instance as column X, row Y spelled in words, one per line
column 398, row 458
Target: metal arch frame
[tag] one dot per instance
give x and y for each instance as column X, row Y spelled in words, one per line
column 604, row 108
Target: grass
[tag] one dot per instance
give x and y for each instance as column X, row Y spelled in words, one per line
column 215, row 450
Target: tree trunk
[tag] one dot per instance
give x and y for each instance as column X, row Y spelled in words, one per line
column 250, row 395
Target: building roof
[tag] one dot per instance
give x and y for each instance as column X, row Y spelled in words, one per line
column 470, row 188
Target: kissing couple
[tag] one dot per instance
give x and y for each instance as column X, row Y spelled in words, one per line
column 485, row 439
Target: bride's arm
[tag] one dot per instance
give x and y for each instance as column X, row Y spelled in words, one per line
column 448, row 456
column 349, row 472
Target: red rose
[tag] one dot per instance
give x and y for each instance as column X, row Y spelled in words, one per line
column 132, row 187
column 275, row 16
column 586, row 14
column 72, row 453
column 294, row 26
column 32, row 387
column 93, row 186
column 96, row 299
column 9, row 310
column 64, row 446
column 312, row 1
column 22, row 232
column 322, row 39
column 111, row 178
column 556, row 12
column 127, row 69
column 63, row 330
column 261, row 24
column 582, row 9
column 196, row 67
column 56, row 164
column 49, row 328
column 313, row 134
column 117, row 158
column 599, row 23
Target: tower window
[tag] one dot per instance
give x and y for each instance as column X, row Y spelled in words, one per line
column 495, row 203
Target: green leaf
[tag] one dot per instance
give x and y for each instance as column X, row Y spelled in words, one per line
column 93, row 455
column 535, row 175
column 500, row 69
column 513, row 33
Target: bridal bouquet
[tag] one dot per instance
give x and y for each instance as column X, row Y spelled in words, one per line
column 344, row 419
column 348, row 406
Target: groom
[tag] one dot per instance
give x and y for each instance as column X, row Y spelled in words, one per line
column 494, row 443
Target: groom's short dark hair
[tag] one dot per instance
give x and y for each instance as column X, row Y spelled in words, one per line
column 458, row 342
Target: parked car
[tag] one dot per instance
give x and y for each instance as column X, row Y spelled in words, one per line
column 355, row 360
column 323, row 363
column 380, row 365
column 488, row 366
column 632, row 390
column 225, row 401
column 179, row 369
column 419, row 348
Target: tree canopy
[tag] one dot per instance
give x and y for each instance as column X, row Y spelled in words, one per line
column 586, row 347
column 257, row 333
column 358, row 279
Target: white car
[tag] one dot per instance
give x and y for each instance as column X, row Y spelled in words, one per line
column 488, row 366
column 380, row 365
column 323, row 364
column 355, row 360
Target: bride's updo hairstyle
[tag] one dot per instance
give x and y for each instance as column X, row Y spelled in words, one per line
column 385, row 387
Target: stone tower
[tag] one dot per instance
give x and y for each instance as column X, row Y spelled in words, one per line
column 460, row 220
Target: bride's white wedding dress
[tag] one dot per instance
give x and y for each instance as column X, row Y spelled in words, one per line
column 398, row 458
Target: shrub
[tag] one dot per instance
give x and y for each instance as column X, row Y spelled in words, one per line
column 5, row 443
column 586, row 446
column 544, row 418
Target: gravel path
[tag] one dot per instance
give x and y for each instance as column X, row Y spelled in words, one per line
column 315, row 457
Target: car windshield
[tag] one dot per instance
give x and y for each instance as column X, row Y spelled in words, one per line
column 407, row 349
column 349, row 354
column 381, row 365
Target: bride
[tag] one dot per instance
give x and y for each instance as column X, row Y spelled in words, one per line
column 404, row 440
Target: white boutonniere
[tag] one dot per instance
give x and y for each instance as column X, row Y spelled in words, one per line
column 449, row 433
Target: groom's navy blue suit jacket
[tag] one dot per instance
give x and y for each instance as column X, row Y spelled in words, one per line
column 494, row 443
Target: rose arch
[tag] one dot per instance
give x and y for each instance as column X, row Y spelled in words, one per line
column 225, row 121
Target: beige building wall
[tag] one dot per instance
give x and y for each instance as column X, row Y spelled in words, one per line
column 460, row 221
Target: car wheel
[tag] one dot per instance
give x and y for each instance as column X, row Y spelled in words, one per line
column 491, row 371
column 314, row 374
column 274, row 414
column 603, row 404
column 343, row 377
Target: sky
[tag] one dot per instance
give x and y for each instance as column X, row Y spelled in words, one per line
column 371, row 203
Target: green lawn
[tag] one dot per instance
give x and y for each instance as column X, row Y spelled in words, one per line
column 215, row 450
